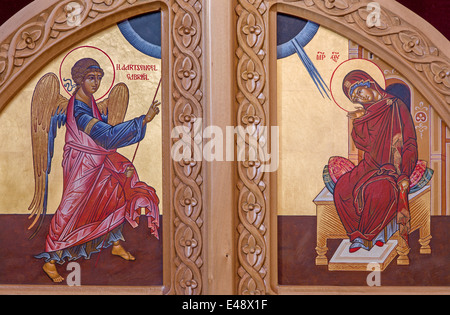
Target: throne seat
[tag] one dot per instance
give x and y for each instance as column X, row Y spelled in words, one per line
column 329, row 225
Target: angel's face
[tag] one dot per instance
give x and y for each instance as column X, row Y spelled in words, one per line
column 91, row 82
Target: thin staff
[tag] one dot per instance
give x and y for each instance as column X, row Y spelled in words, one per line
column 154, row 98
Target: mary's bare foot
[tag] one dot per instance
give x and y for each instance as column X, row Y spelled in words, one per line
column 118, row 250
column 50, row 269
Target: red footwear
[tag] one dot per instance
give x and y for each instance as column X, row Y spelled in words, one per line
column 355, row 249
column 379, row 243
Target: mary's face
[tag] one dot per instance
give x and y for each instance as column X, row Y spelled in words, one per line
column 91, row 82
column 363, row 95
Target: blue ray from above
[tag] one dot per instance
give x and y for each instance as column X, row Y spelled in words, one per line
column 293, row 34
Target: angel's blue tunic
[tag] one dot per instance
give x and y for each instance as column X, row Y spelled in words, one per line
column 105, row 135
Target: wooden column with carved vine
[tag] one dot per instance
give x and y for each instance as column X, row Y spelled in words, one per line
column 252, row 114
column 187, row 94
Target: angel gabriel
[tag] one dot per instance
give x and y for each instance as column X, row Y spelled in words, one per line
column 101, row 189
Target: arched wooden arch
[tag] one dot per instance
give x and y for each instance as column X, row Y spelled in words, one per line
column 247, row 251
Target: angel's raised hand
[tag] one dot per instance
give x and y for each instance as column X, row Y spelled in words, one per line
column 152, row 112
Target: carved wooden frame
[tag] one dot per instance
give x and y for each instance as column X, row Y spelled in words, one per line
column 40, row 32
column 398, row 40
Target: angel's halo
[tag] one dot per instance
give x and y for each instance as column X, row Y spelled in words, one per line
column 95, row 53
column 342, row 70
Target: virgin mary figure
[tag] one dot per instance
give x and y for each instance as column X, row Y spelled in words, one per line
column 101, row 189
column 372, row 198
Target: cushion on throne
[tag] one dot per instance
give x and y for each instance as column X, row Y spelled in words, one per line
column 338, row 166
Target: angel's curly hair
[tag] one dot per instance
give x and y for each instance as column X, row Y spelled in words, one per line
column 83, row 67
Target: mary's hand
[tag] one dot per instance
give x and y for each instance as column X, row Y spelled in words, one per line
column 359, row 112
column 403, row 185
column 152, row 112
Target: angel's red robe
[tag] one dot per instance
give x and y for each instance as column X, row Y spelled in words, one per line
column 368, row 197
column 97, row 195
